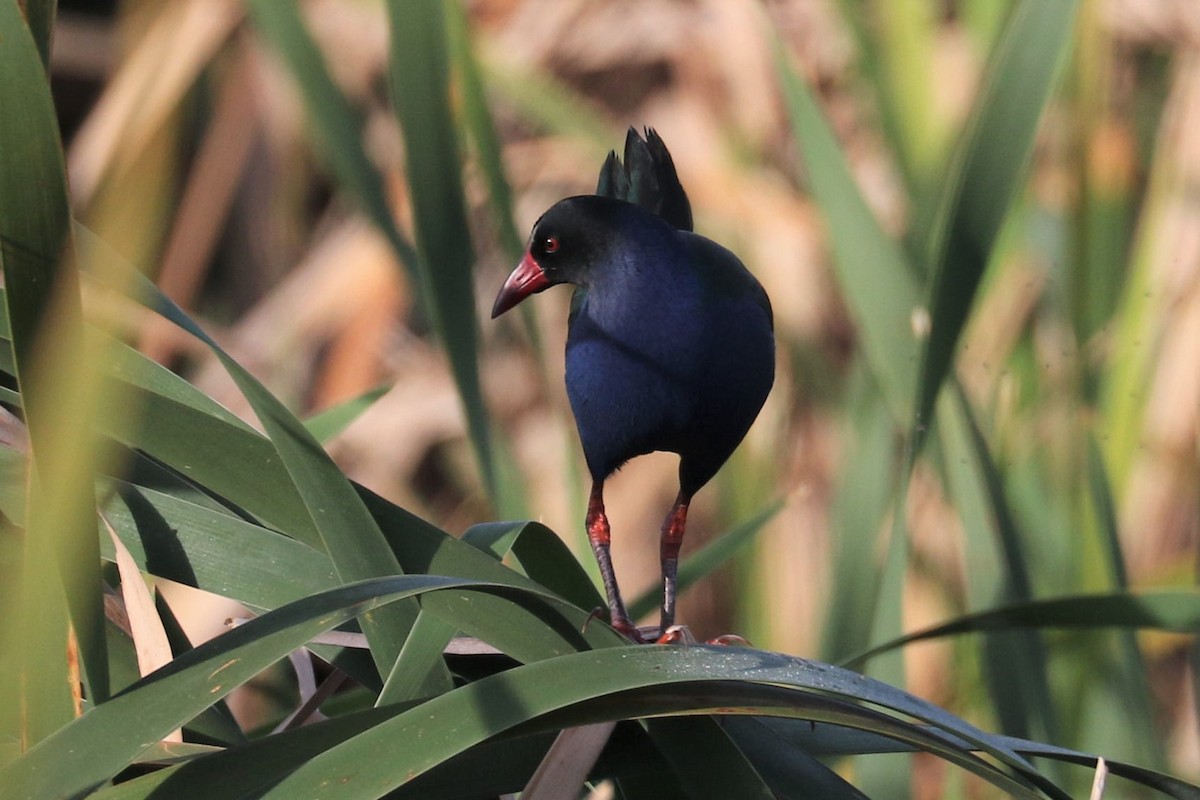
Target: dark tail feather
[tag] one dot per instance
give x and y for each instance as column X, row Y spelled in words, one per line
column 647, row 178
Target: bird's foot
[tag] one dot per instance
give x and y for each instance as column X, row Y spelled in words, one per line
column 621, row 625
column 626, row 628
column 729, row 640
column 679, row 634
column 675, row 634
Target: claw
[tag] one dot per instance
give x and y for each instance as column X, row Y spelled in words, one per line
column 596, row 613
column 729, row 640
column 676, row 634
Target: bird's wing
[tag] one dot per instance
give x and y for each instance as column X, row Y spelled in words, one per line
column 722, row 273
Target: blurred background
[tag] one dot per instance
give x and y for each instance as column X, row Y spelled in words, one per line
column 190, row 150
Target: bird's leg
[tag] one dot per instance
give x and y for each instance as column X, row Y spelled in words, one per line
column 600, row 537
column 672, row 539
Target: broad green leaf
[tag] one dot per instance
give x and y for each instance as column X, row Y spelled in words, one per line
column 419, row 670
column 188, row 543
column 111, row 735
column 790, row 770
column 351, row 537
column 546, row 559
column 190, row 432
column 185, row 430
column 833, row 741
column 590, row 686
column 495, row 767
column 705, row 760
column 214, row 724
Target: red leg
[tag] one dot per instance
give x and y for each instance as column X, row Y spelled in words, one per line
column 672, row 539
column 600, row 538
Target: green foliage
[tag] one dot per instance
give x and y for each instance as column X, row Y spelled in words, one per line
column 481, row 649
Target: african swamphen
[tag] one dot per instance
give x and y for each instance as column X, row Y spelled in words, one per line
column 669, row 345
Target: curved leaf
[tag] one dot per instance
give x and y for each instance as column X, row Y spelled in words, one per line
column 707, row 679
column 1168, row 611
column 111, row 735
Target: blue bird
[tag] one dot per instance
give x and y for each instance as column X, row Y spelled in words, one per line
column 670, row 342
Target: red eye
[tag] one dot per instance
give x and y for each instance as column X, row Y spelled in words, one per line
column 550, row 244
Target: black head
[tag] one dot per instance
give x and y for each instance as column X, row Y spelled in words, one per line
column 567, row 242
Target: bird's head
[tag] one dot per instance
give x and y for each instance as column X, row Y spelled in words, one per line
column 573, row 235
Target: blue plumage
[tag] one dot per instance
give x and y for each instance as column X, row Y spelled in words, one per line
column 669, row 346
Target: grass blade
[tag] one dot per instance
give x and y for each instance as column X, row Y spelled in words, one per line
column 39, row 16
column 1164, row 610
column 332, row 421
column 45, row 316
column 337, row 127
column 985, row 178
column 420, row 86
column 1021, row 695
column 877, row 282
column 482, row 131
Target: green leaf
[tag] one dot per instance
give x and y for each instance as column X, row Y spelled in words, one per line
column 1015, row 662
column 546, row 559
column 479, row 125
column 1167, row 610
column 189, row 432
column 984, row 179
column 336, row 125
column 791, row 770
column 39, row 15
column 896, row 45
column 877, row 282
column 865, row 491
column 332, row 421
column 832, row 741
column 496, row 767
column 608, row 684
column 706, row 761
column 351, row 537
column 191, row 544
column 420, row 87
column 61, row 561
column 111, row 735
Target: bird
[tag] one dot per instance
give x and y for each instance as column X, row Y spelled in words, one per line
column 670, row 340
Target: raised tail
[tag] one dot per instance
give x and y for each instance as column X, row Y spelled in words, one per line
column 647, row 178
